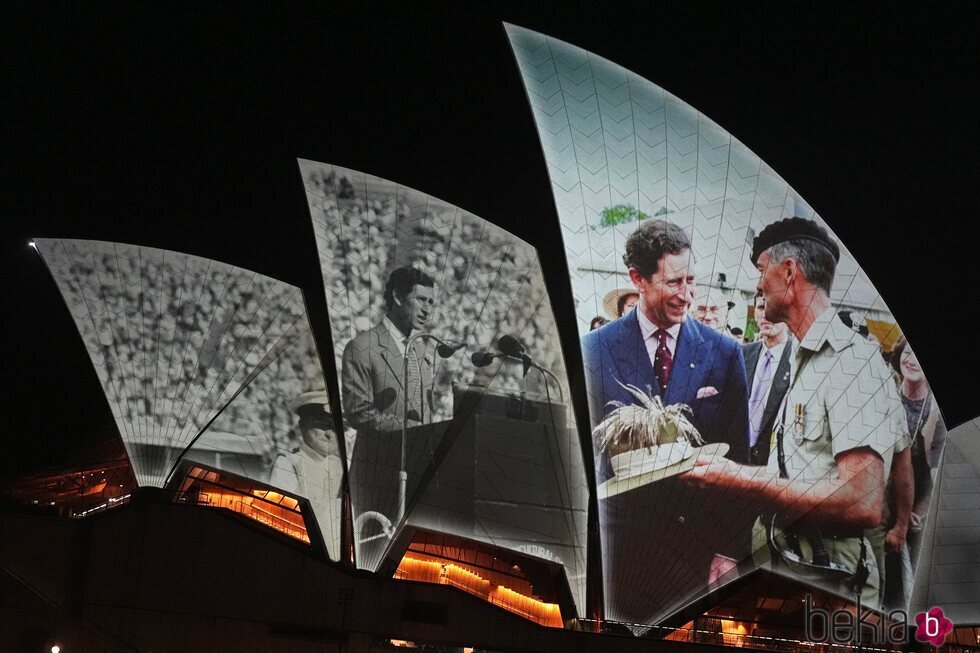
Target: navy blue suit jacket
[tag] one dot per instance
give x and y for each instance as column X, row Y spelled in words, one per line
column 703, row 358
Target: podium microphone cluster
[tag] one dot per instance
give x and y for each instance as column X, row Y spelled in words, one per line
column 445, row 349
column 512, row 347
column 509, row 347
column 484, row 358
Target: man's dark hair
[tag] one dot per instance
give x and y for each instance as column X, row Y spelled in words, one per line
column 648, row 244
column 895, row 358
column 402, row 280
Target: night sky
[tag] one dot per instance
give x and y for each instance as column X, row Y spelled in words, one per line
column 160, row 125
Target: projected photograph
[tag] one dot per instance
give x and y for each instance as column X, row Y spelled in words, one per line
column 453, row 385
column 753, row 402
column 206, row 362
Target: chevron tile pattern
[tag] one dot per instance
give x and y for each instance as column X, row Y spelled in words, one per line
column 192, row 352
column 613, row 139
column 488, row 284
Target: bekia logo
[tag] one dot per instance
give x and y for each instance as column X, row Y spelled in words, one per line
column 932, row 626
column 851, row 626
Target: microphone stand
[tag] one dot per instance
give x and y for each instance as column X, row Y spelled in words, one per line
column 545, row 373
column 403, row 471
column 524, row 394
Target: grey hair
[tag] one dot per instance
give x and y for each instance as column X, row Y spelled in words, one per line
column 815, row 260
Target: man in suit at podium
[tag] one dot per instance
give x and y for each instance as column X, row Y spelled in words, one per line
column 661, row 539
column 374, row 393
column 767, row 363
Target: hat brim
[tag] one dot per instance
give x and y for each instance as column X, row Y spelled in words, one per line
column 317, row 397
column 610, row 303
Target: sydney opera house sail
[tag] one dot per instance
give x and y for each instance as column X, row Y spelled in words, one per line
column 454, row 392
column 204, row 361
column 754, row 333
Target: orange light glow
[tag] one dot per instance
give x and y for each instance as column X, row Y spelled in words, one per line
column 274, row 516
column 267, row 507
column 414, row 567
column 733, row 633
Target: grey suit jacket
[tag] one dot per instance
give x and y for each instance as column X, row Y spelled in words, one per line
column 759, row 454
column 373, row 391
column 373, row 398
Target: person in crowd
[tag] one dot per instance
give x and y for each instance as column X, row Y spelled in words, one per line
column 738, row 334
column 710, row 313
column 618, row 302
column 824, row 486
column 315, row 470
column 597, row 322
column 767, row 363
column 928, row 434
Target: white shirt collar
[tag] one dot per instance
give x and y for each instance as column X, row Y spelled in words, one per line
column 777, row 350
column 648, row 328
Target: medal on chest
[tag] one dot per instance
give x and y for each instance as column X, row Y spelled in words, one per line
column 799, row 423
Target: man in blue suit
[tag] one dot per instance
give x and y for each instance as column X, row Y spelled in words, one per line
column 656, row 346
column 663, row 543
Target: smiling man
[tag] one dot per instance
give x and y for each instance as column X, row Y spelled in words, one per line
column 661, row 539
column 657, row 347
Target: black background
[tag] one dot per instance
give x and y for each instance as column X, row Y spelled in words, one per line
column 177, row 126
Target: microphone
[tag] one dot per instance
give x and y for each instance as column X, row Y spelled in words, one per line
column 483, row 358
column 445, row 350
column 511, row 346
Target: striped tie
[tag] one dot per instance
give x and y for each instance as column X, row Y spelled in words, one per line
column 413, row 385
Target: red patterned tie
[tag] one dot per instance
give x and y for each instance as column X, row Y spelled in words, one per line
column 663, row 361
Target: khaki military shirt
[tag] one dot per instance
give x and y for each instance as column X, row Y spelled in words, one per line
column 841, row 398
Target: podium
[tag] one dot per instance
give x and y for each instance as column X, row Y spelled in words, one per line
column 503, row 478
column 484, row 475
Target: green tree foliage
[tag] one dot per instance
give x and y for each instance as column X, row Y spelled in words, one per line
column 620, row 214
